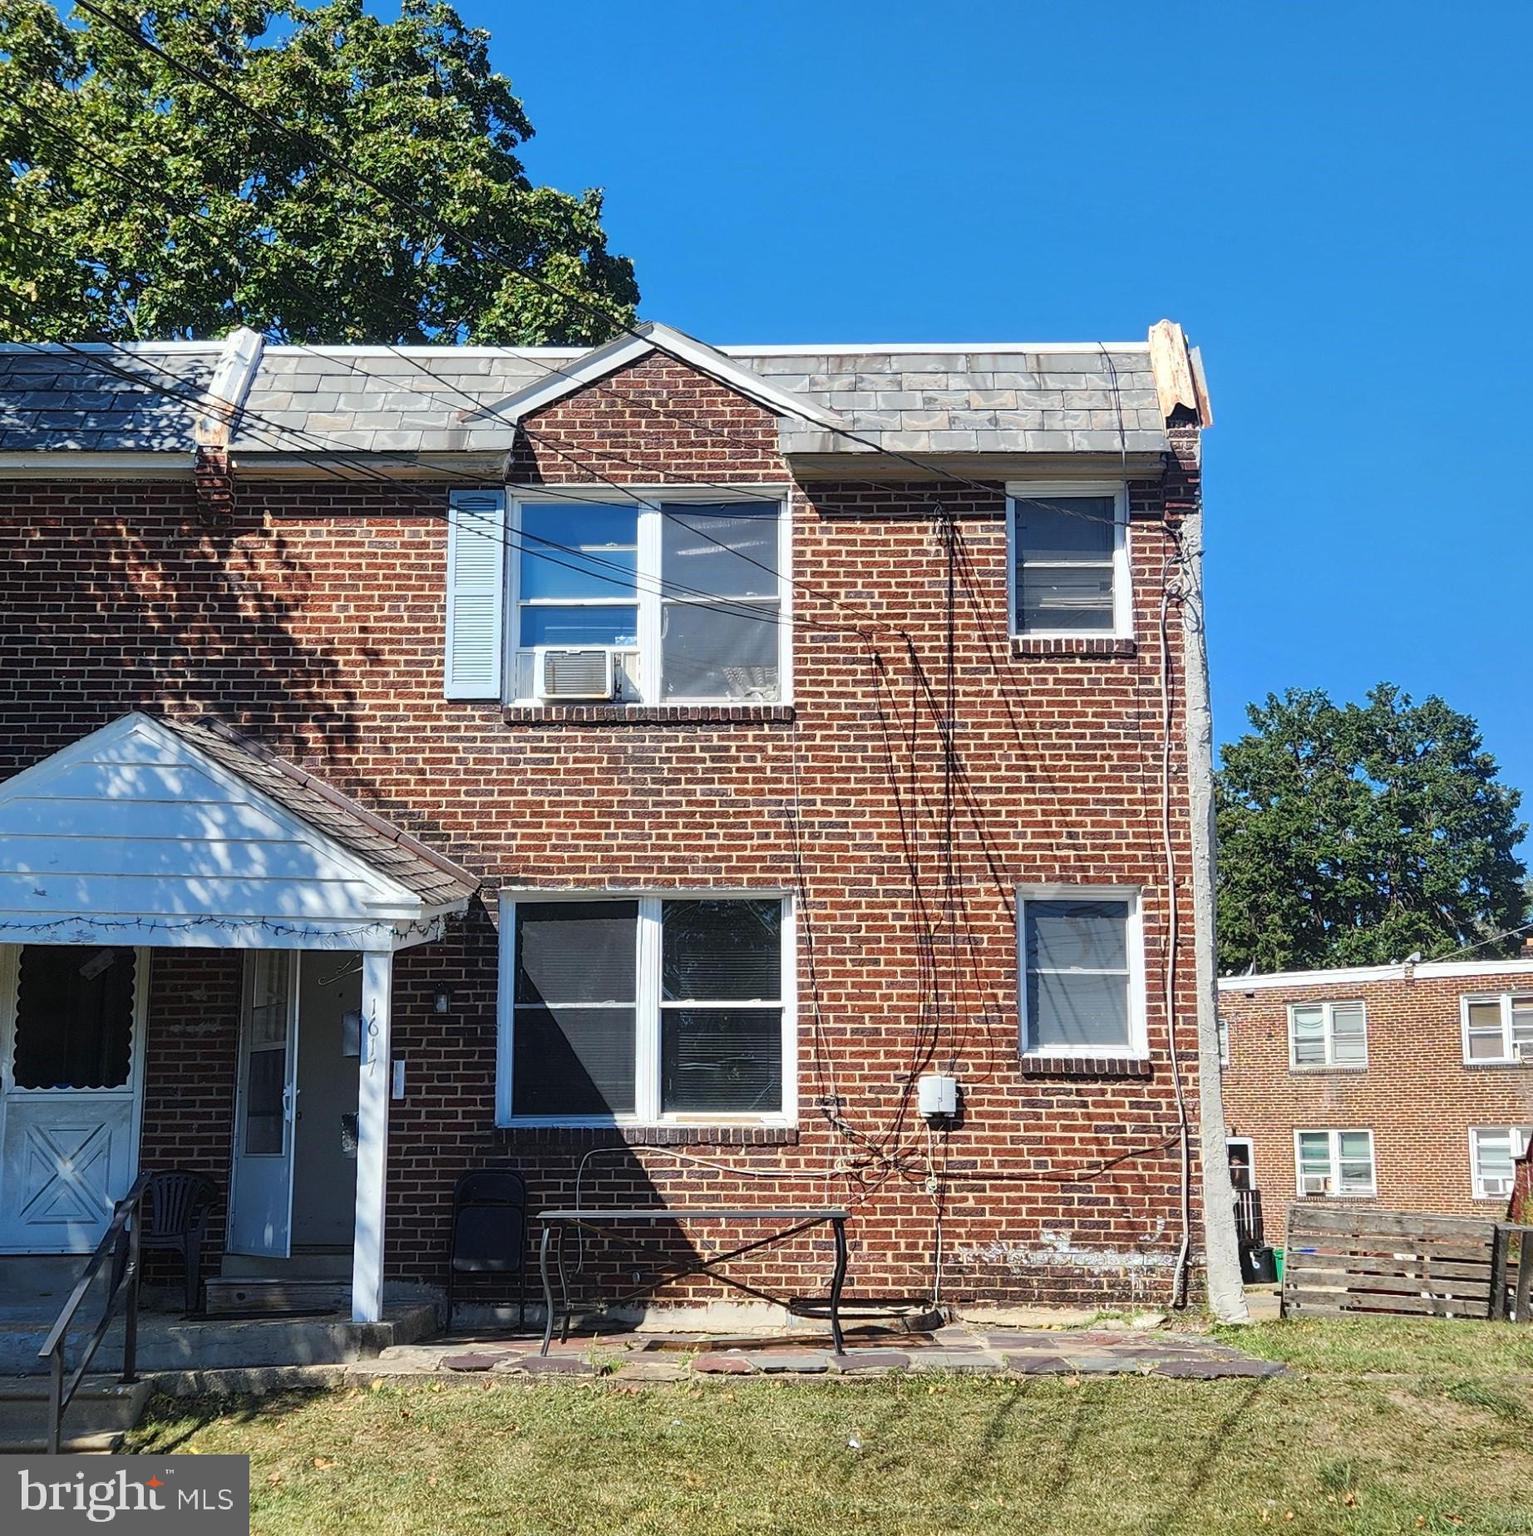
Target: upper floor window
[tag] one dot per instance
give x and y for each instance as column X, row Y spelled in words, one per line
column 652, row 600
column 645, row 1010
column 1327, row 1035
column 1493, row 1150
column 1069, row 572
column 1081, row 965
column 1336, row 1163
column 1498, row 1030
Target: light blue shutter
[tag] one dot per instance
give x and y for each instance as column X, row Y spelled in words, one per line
column 476, row 563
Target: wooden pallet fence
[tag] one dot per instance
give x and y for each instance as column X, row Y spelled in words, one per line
column 1511, row 1294
column 1342, row 1262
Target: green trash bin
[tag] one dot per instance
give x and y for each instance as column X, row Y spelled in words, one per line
column 1277, row 1255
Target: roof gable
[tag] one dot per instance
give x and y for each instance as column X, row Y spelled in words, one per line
column 649, row 338
column 139, row 824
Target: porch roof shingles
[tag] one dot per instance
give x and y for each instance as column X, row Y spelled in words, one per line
column 378, row 843
column 1006, row 399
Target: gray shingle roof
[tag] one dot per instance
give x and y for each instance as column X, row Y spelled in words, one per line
column 378, row 843
column 303, row 400
column 102, row 399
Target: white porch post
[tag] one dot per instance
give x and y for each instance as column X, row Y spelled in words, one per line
column 375, row 1068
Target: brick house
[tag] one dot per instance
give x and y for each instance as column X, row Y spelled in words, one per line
column 1405, row 1086
column 639, row 767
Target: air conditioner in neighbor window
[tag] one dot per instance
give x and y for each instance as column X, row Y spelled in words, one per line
column 1522, row 1050
column 1496, row 1188
column 569, row 673
column 1315, row 1184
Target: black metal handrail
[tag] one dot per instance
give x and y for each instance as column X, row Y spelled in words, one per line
column 121, row 1237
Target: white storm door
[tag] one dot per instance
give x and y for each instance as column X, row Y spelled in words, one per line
column 261, row 1187
column 71, row 1081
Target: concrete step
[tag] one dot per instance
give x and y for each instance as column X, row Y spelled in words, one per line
column 97, row 1417
column 174, row 1343
column 105, row 1444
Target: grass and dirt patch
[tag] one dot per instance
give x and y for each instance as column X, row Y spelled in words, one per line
column 1391, row 1428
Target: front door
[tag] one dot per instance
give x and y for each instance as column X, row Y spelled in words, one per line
column 261, row 1188
column 71, row 1081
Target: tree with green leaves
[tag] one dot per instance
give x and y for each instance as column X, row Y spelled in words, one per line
column 146, row 203
column 1359, row 834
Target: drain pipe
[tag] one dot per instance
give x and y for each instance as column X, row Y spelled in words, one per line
column 1226, row 1294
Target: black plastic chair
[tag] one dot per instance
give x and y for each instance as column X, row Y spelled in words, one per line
column 175, row 1216
column 489, row 1233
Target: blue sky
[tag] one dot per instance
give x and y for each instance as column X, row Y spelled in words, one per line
column 1332, row 200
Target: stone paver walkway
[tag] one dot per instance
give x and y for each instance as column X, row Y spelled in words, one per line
column 959, row 1347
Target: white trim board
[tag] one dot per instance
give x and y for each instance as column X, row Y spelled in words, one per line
column 1426, row 971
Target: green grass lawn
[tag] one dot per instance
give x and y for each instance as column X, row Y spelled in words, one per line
column 1391, row 1428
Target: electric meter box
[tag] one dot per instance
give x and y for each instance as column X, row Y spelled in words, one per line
column 937, row 1095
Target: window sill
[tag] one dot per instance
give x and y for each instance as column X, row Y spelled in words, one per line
column 1074, row 645
column 647, row 714
column 1086, row 1066
column 583, row 1136
column 1327, row 1070
column 1503, row 1065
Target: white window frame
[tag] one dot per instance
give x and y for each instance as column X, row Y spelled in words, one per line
column 1222, row 1025
column 1328, row 1029
column 1250, row 1146
column 1138, row 1046
column 1508, row 1056
column 1122, row 574
column 1333, row 1175
column 1516, row 1134
column 647, row 1111
column 648, row 586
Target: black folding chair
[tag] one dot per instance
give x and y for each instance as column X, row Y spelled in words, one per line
column 175, row 1216
column 489, row 1233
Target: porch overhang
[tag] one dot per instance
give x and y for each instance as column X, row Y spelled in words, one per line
column 172, row 834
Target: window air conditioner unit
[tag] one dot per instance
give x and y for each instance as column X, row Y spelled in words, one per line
column 1522, row 1050
column 566, row 673
column 1316, row 1184
column 1497, row 1188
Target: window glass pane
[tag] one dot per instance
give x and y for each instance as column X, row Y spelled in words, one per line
column 1486, row 1015
column 1355, row 1144
column 265, row 1077
column 1356, row 1175
column 270, row 984
column 1065, row 527
column 1070, row 598
column 1484, row 1046
column 721, row 951
column 1522, row 1019
column 721, row 1060
column 617, row 625
column 1349, row 1036
column 572, row 1061
column 1077, row 1009
column 1077, row 935
column 74, row 1017
column 719, row 551
column 576, row 951
column 599, row 559
column 1315, row 1152
column 718, row 653
column 1493, row 1153
column 1309, row 1036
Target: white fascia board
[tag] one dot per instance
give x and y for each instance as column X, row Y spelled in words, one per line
column 77, row 464
column 944, row 348
column 649, row 338
column 1428, row 970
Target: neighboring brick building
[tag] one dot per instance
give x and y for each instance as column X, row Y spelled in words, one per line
column 880, row 640
column 1405, row 1087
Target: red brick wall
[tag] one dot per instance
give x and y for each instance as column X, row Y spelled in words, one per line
column 1416, row 1095
column 313, row 613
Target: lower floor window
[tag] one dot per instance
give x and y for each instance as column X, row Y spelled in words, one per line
column 1334, row 1162
column 644, row 1009
column 1493, row 1152
column 1081, row 968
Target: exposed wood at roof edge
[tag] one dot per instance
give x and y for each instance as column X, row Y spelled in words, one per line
column 1177, row 370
